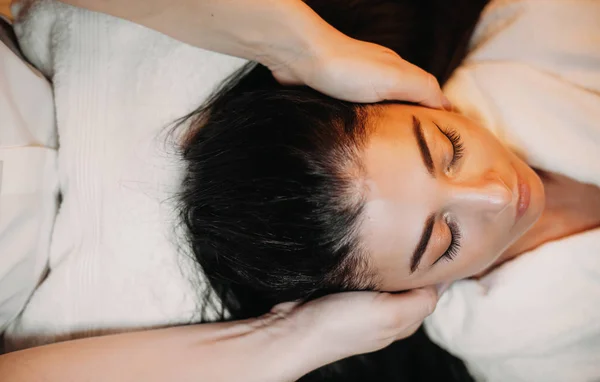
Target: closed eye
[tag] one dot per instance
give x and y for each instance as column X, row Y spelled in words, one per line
column 458, row 151
column 457, row 144
column 454, row 247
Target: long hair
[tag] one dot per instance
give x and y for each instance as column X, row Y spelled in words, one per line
column 272, row 199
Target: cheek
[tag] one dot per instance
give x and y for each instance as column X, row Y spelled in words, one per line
column 486, row 145
column 479, row 157
column 481, row 246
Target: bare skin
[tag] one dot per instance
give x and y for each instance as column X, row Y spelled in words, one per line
column 571, row 207
column 281, row 346
column 296, row 339
column 478, row 194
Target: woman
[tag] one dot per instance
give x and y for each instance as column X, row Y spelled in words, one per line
column 29, row 204
column 310, row 195
column 413, row 350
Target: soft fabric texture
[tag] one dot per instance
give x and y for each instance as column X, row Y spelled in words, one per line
column 533, row 78
column 115, row 260
column 28, row 178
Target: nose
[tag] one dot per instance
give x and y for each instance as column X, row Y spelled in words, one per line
column 488, row 195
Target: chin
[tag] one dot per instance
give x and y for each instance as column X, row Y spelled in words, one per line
column 538, row 199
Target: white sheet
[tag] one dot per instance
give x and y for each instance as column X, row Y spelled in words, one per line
column 533, row 77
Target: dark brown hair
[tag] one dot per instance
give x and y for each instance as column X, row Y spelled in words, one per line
column 270, row 210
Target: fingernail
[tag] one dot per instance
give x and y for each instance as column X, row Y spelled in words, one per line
column 446, row 104
column 441, row 288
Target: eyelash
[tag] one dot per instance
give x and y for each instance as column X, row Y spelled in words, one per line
column 454, row 246
column 459, row 151
column 457, row 145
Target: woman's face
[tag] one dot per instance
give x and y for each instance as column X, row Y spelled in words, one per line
column 445, row 197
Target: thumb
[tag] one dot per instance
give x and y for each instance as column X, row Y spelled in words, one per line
column 416, row 85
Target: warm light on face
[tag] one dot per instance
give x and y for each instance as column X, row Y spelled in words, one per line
column 446, row 198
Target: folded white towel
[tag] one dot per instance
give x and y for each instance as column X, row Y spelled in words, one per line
column 533, row 77
column 115, row 262
column 28, row 179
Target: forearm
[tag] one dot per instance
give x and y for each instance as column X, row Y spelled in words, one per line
column 212, row 352
column 267, row 31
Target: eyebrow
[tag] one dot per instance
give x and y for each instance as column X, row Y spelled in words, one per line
column 422, row 246
column 423, row 148
column 428, row 227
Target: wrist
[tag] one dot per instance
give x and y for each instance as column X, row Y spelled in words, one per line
column 266, row 349
column 293, row 347
column 298, row 37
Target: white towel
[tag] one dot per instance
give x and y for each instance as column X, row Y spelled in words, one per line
column 533, row 77
column 28, row 180
column 114, row 261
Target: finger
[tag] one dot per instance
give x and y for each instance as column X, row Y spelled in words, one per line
column 416, row 85
column 404, row 333
column 412, row 307
column 409, row 331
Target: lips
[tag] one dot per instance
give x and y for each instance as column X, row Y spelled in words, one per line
column 524, row 198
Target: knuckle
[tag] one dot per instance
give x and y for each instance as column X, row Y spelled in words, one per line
column 397, row 323
column 430, row 301
column 432, row 82
column 391, row 322
column 391, row 53
column 411, row 330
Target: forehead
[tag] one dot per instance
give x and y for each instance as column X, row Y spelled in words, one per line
column 400, row 193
